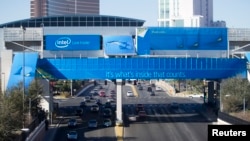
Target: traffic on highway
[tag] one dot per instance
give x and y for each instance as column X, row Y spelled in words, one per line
column 146, row 116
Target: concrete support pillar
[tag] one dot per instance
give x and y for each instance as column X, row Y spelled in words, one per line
column 210, row 93
column 119, row 119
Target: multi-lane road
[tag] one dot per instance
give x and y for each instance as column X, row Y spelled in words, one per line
column 163, row 122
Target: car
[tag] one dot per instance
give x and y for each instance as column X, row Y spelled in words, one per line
column 110, row 99
column 96, row 90
column 82, row 104
column 107, row 112
column 107, row 105
column 140, row 88
column 98, row 102
column 100, row 87
column 72, row 135
column 152, row 93
column 157, row 88
column 94, row 108
column 86, row 99
column 196, row 96
column 72, row 122
column 92, row 123
column 79, row 111
column 107, row 122
column 149, row 89
column 139, row 107
column 112, row 92
column 102, row 94
column 132, row 117
column 142, row 114
column 130, row 93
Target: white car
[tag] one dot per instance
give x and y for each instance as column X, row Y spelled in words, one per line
column 130, row 93
column 196, row 96
column 157, row 88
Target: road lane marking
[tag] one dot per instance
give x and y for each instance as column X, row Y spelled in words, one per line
column 134, row 91
column 119, row 132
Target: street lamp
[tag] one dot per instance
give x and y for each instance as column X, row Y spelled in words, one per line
column 3, row 80
column 23, row 73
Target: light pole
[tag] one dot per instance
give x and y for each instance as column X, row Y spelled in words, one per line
column 23, row 74
column 3, row 80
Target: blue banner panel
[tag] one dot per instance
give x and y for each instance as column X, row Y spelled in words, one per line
column 144, row 68
column 119, row 45
column 180, row 38
column 23, row 69
column 73, row 42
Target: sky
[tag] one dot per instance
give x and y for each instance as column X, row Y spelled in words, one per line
column 234, row 12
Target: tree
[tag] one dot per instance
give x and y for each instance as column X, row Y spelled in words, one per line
column 34, row 96
column 233, row 91
column 11, row 109
column 14, row 107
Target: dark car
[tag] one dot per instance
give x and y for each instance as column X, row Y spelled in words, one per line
column 72, row 122
column 82, row 104
column 107, row 112
column 142, row 114
column 92, row 123
column 149, row 89
column 107, row 122
column 139, row 107
column 140, row 88
column 79, row 111
column 152, row 93
column 94, row 108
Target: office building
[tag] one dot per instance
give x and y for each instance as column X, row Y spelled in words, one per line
column 45, row 8
column 185, row 13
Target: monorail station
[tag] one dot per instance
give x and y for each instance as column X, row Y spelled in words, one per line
column 117, row 48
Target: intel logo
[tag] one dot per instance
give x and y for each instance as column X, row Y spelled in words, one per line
column 63, row 42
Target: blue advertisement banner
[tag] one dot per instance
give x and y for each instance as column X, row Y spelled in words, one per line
column 119, row 45
column 181, row 38
column 24, row 70
column 73, row 42
column 144, row 68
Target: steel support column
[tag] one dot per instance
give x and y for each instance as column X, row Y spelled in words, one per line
column 119, row 119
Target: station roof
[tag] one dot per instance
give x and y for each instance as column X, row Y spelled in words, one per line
column 75, row 20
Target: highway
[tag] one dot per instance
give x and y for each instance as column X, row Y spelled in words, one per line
column 163, row 122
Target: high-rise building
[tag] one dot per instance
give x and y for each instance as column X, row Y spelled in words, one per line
column 185, row 13
column 43, row 8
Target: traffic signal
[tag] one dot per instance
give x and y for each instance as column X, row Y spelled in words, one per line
column 105, row 82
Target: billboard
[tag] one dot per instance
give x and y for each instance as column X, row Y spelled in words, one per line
column 143, row 68
column 181, row 38
column 72, row 42
column 119, row 45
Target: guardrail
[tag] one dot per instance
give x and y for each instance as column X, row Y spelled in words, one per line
column 231, row 119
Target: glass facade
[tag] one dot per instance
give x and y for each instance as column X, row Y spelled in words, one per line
column 41, row 8
column 164, row 9
column 76, row 20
